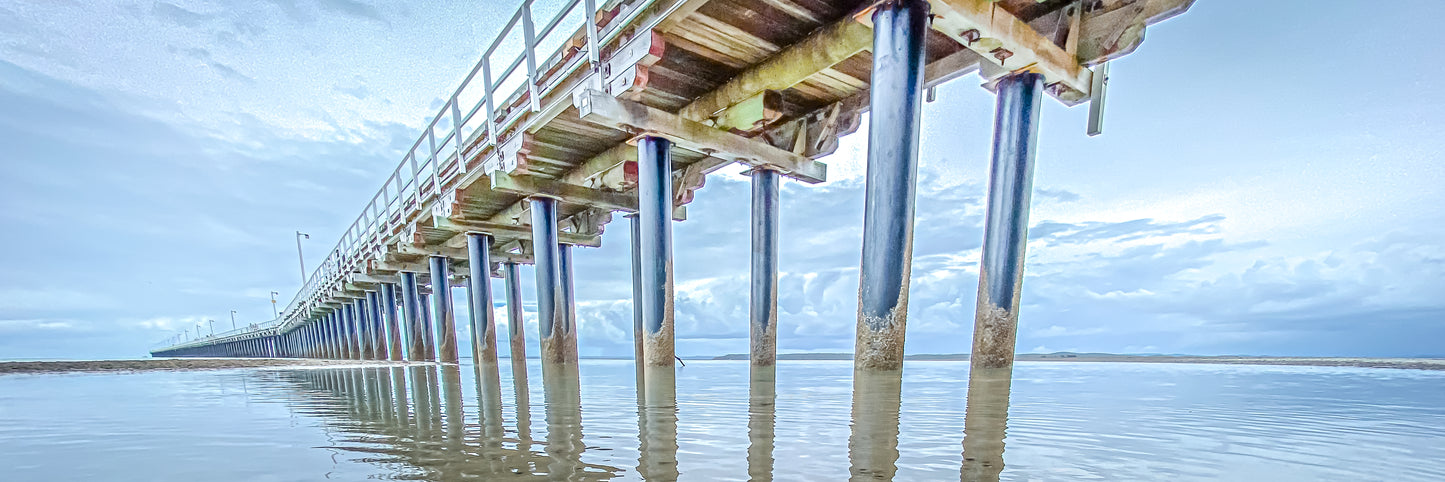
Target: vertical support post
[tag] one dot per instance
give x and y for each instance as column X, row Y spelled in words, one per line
column 442, row 307
column 363, row 328
column 899, row 29
column 377, row 326
column 1006, row 221
column 479, row 297
column 551, row 309
column 334, row 333
column 516, row 335
column 654, row 202
column 412, row 316
column 637, row 355
column 393, row 324
column 428, row 336
column 763, row 301
column 1000, row 274
column 567, row 302
column 353, row 345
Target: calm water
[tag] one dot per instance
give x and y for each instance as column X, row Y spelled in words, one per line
column 1064, row 421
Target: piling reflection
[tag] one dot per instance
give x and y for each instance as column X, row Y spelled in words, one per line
column 985, row 423
column 762, row 410
column 873, row 446
column 425, row 431
column 657, row 425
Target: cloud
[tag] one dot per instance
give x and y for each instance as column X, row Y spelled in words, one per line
column 179, row 16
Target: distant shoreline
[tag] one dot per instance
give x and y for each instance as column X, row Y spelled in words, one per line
column 82, row 366
column 1361, row 362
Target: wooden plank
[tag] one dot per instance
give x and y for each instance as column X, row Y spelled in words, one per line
column 1006, row 41
column 824, row 49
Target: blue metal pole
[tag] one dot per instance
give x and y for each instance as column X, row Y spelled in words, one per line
column 376, row 325
column 363, row 328
column 763, row 301
column 516, row 336
column 393, row 325
column 567, row 304
column 1005, row 235
column 1006, row 221
column 479, row 297
column 546, row 255
column 428, row 336
column 899, row 30
column 442, row 308
column 411, row 314
column 654, row 202
column 637, row 355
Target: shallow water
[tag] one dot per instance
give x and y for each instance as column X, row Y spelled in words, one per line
column 1113, row 421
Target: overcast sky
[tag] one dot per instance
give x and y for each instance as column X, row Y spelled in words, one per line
column 1269, row 182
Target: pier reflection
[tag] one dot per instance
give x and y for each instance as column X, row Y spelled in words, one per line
column 985, row 423
column 413, row 423
column 873, row 445
column 762, row 418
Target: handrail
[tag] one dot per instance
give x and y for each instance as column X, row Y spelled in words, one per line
column 419, row 176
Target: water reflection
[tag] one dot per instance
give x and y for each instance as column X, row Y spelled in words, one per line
column 985, row 421
column 657, row 425
column 762, row 413
column 873, row 445
column 426, row 434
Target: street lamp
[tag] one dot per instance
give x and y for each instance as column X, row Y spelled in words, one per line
column 233, row 319
column 300, row 259
column 213, row 327
column 274, row 314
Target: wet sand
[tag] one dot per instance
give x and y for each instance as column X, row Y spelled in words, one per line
column 166, row 364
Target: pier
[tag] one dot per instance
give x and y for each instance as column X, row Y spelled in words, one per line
column 630, row 111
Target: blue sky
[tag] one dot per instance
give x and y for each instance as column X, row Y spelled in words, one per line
column 1268, row 183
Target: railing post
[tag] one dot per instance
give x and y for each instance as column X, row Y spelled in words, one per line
column 457, row 136
column 593, row 56
column 487, row 99
column 529, row 37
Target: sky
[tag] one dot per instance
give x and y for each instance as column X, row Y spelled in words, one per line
column 1269, row 183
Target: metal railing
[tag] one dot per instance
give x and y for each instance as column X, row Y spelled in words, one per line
column 441, row 151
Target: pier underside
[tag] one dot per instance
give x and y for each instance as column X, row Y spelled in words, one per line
column 771, row 84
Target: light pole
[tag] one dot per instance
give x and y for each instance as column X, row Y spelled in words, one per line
column 212, row 323
column 299, row 258
column 274, row 314
column 233, row 319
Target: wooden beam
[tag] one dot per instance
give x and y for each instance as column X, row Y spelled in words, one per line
column 510, row 231
column 1008, row 42
column 568, row 193
column 604, row 109
column 829, row 46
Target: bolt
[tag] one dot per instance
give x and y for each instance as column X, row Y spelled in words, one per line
column 1001, row 54
column 971, row 35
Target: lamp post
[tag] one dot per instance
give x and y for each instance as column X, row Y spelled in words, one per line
column 299, row 258
column 233, row 319
column 274, row 314
column 212, row 324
